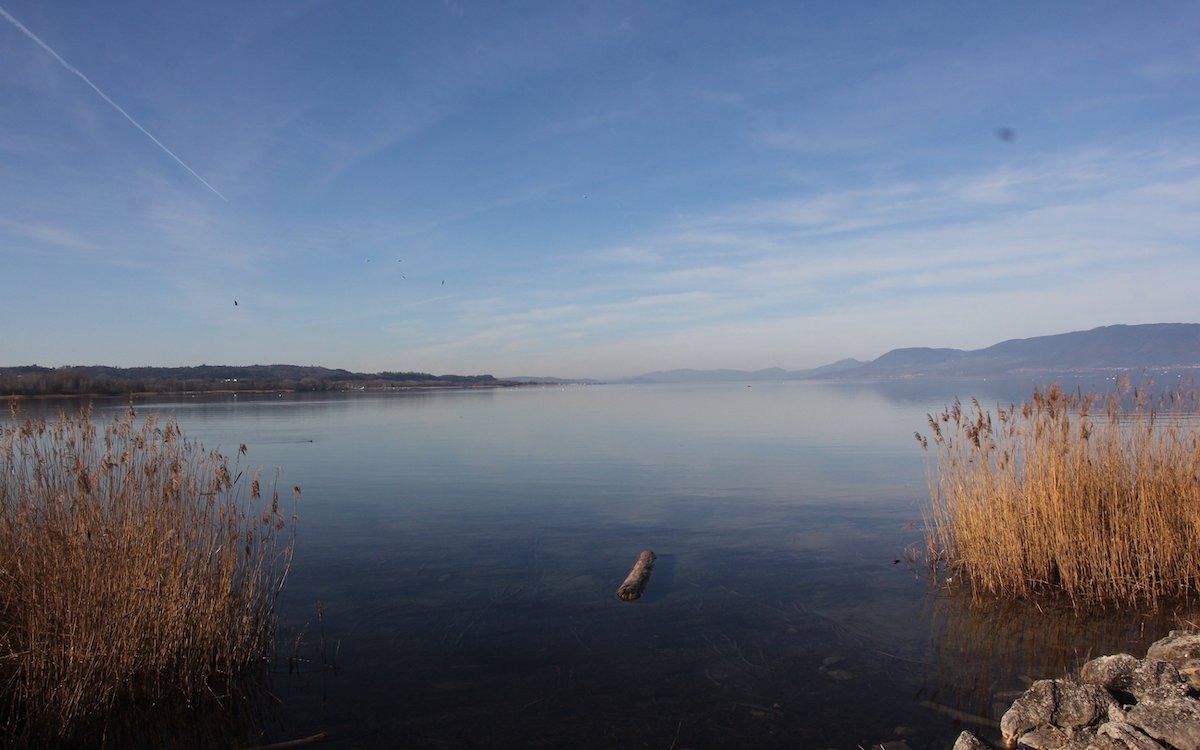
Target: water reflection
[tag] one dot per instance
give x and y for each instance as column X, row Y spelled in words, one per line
column 983, row 654
column 237, row 714
column 466, row 547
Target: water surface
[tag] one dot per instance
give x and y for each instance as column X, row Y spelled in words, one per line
column 458, row 553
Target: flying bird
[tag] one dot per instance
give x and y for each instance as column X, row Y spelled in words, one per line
column 235, row 303
column 1008, row 135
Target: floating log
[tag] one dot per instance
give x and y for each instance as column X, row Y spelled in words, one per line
column 635, row 582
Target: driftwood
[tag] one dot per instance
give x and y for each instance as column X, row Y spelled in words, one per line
column 635, row 582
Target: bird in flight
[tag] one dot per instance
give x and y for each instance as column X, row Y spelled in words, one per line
column 235, row 303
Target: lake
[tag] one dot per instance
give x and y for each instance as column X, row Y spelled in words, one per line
column 458, row 553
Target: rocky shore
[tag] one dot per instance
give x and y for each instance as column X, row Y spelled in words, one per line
column 1117, row 702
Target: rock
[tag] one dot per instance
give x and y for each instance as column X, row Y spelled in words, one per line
column 1118, row 713
column 968, row 741
column 1043, row 738
column 1087, row 738
column 1110, row 672
column 1123, row 736
column 1080, row 705
column 1058, row 703
column 1084, row 739
column 1028, row 712
column 1175, row 721
column 1178, row 647
column 1143, row 679
column 1190, row 671
column 1161, row 708
column 1157, row 680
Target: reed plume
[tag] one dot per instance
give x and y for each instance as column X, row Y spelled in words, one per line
column 135, row 571
column 1096, row 496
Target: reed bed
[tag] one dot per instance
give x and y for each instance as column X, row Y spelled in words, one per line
column 1095, row 496
column 136, row 571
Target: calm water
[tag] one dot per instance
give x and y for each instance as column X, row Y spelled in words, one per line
column 458, row 552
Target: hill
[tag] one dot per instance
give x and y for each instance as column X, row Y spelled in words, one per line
column 1116, row 347
column 32, row 380
column 726, row 375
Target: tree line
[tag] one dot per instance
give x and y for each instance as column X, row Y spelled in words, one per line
column 33, row 380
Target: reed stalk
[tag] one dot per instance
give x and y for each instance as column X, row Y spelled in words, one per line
column 1096, row 496
column 136, row 571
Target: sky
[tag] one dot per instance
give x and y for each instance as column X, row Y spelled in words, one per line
column 588, row 189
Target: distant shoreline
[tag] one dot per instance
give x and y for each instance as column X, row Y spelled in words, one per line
column 33, row 381
column 260, row 391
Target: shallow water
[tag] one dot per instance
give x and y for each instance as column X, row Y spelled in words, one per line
column 458, row 553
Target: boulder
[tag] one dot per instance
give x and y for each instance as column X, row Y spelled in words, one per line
column 1043, row 738
column 968, row 741
column 1087, row 739
column 1175, row 721
column 1179, row 647
column 1109, row 736
column 1182, row 649
column 1120, row 702
column 1113, row 672
column 1190, row 671
column 1055, row 703
column 1139, row 679
column 1119, row 735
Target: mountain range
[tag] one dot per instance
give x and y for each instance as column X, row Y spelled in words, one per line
column 1115, row 347
column 1127, row 348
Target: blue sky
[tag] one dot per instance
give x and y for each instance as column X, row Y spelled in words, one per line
column 588, row 189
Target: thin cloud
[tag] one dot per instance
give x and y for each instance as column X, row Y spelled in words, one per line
column 71, row 68
column 46, row 234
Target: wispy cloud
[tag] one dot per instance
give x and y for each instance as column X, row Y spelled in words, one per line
column 46, row 234
column 75, row 71
column 761, row 189
column 1074, row 232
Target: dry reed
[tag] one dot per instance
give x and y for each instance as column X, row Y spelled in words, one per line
column 135, row 571
column 1093, row 496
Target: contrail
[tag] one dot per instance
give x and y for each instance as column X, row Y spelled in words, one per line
column 21, row 27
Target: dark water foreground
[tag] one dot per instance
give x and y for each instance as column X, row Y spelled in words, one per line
column 458, row 554
column 702, row 662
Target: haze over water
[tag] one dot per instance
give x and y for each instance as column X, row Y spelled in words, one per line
column 458, row 554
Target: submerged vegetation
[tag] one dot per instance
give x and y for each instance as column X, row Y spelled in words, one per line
column 136, row 570
column 1094, row 496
